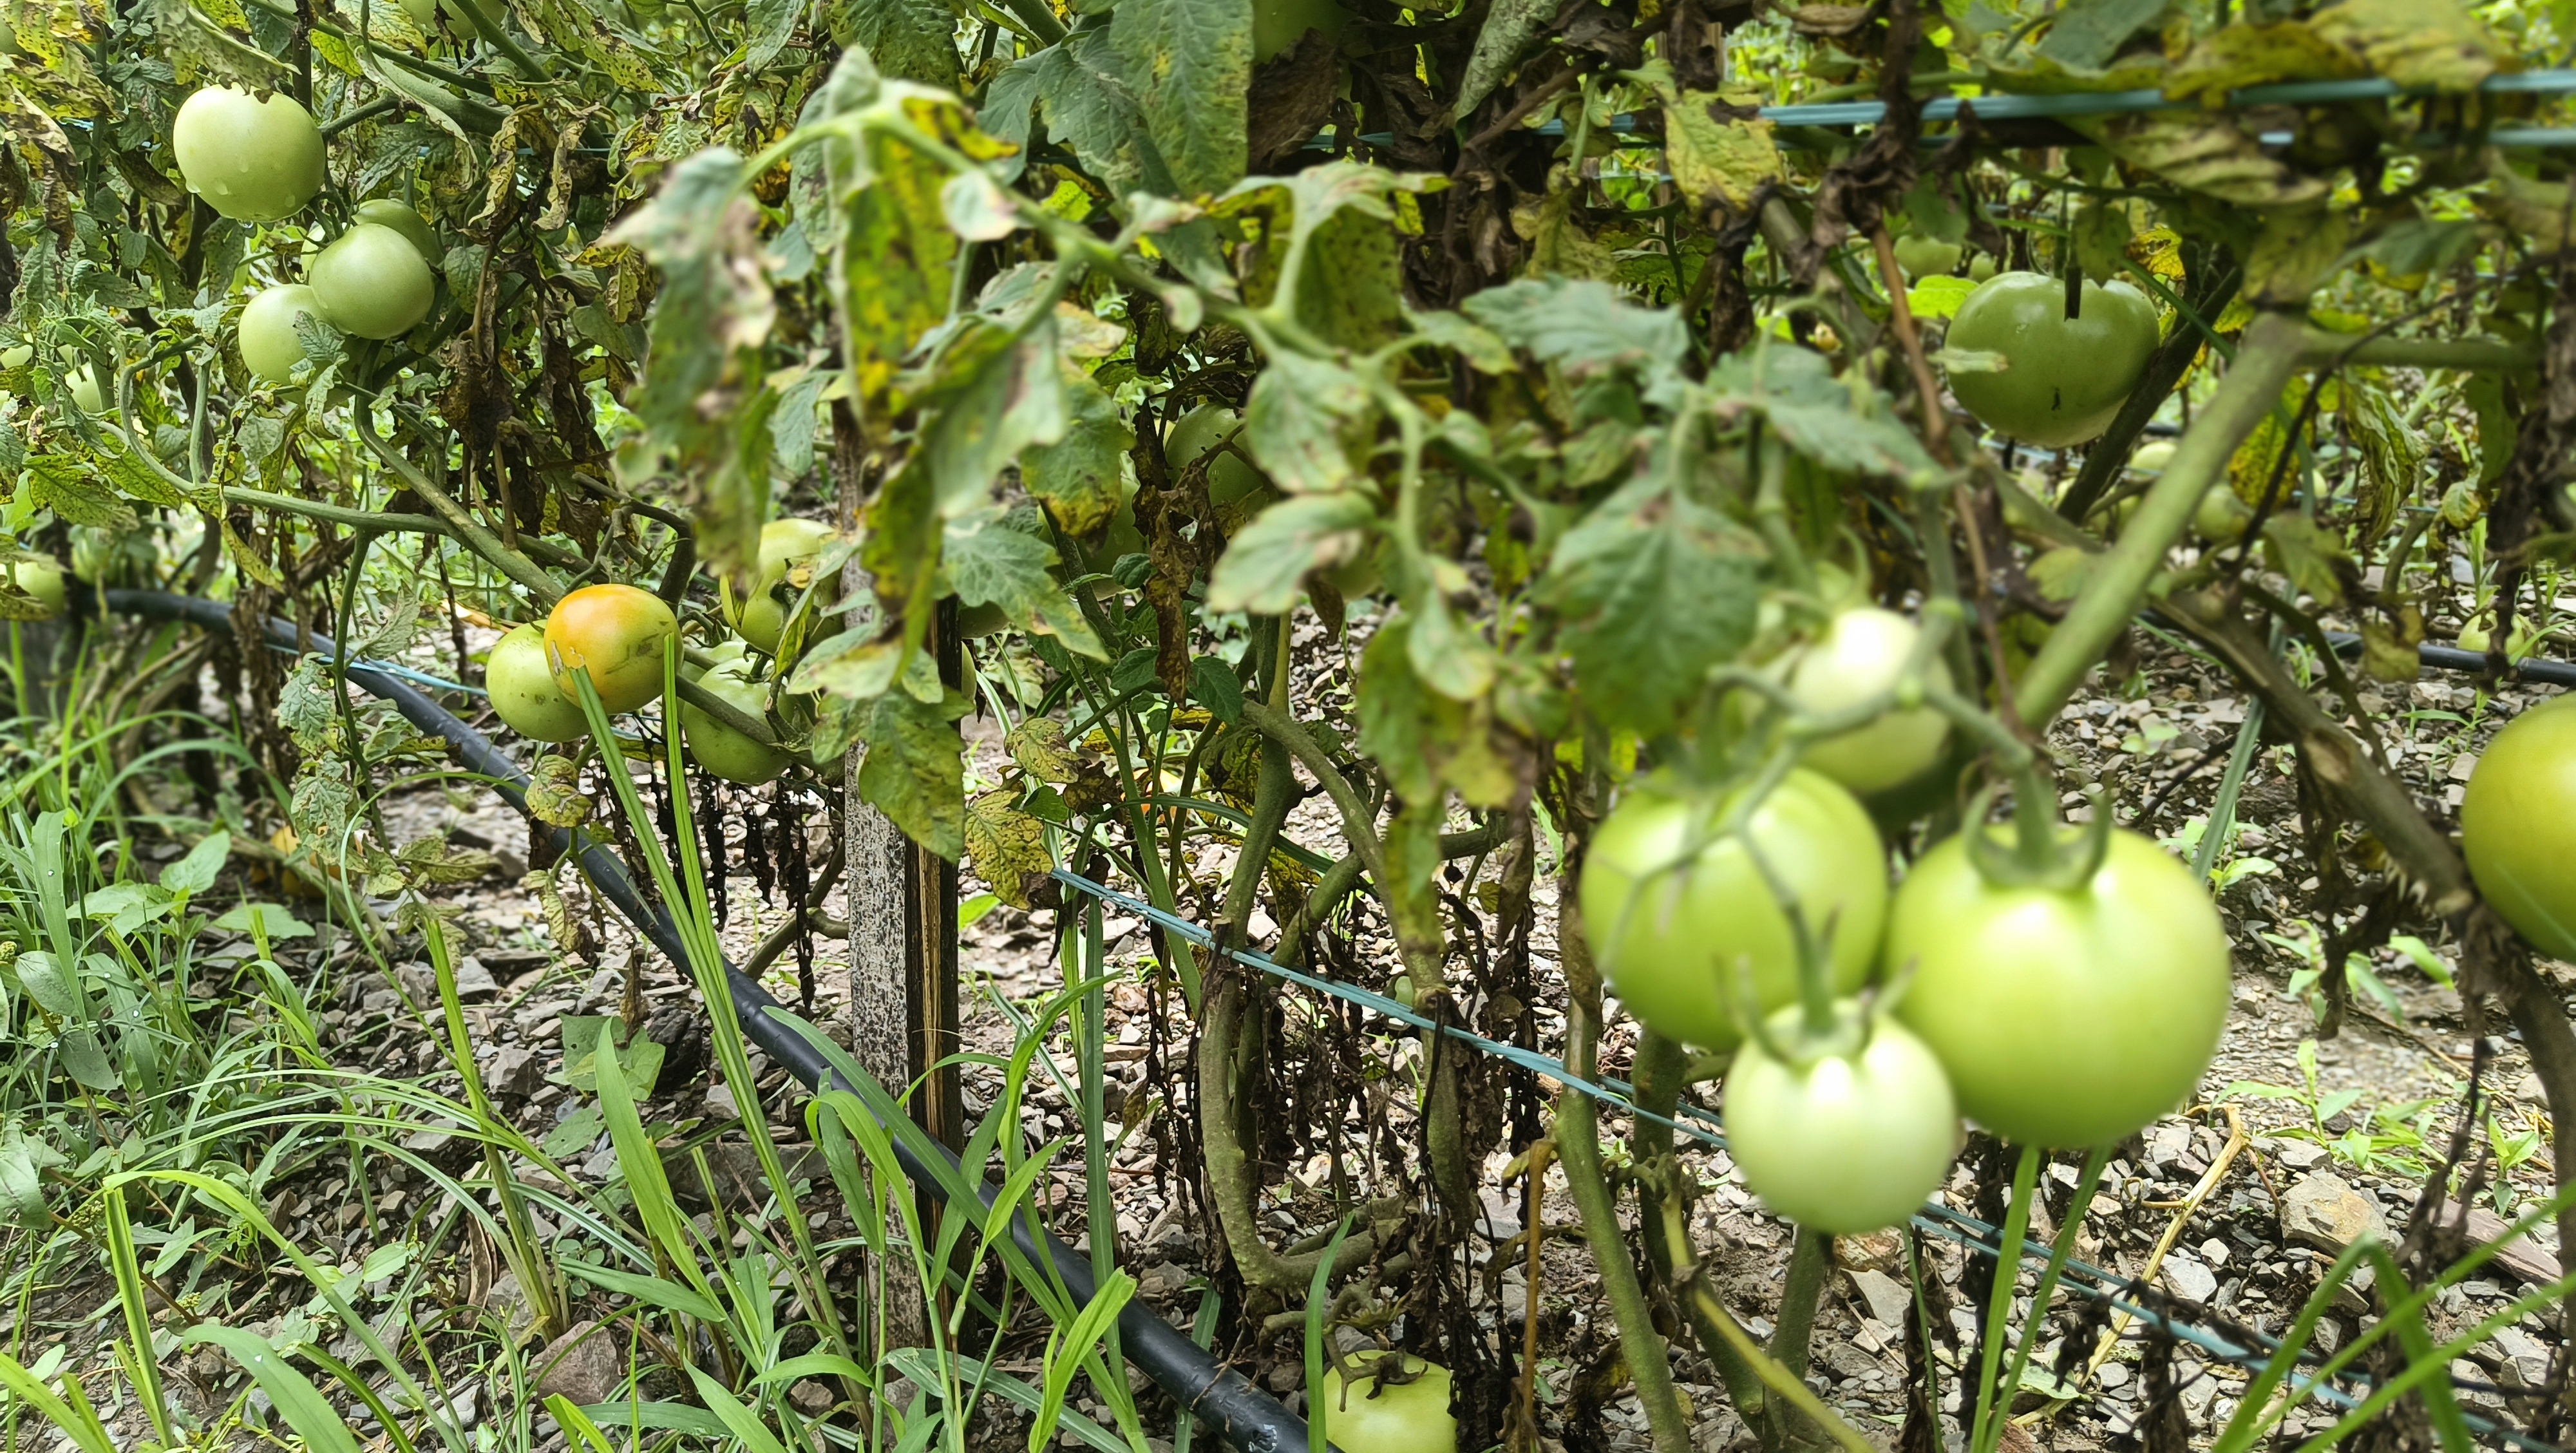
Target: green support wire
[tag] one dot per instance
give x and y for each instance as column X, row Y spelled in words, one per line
column 2006, row 107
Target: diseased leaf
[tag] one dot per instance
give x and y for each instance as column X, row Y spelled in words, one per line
column 1587, row 328
column 2236, row 56
column 2432, row 44
column 997, row 392
column 1427, row 740
column 1006, row 847
column 912, row 40
column 2299, row 548
column 2205, row 152
column 702, row 397
column 1718, row 147
column 998, row 562
column 1078, row 477
column 1299, row 419
column 2086, row 33
column 1508, row 29
column 1194, row 58
column 915, row 769
column 1820, row 415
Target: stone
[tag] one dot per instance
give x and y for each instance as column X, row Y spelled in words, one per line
column 2321, row 1211
column 2189, row 1281
column 515, row 1072
column 1879, row 1251
column 506, row 1303
column 474, row 981
column 2214, row 1251
column 719, row 1103
column 1846, row 1361
column 583, row 1364
column 812, row 1398
column 2528, row 1356
column 2532, row 1256
column 1886, row 1297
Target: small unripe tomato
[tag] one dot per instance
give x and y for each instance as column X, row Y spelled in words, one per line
column 386, row 212
column 270, row 346
column 2518, row 826
column 1378, row 1415
column 1230, row 480
column 1923, row 256
column 1861, row 654
column 1981, row 268
column 372, row 283
column 719, row 749
column 762, row 619
column 619, row 633
column 1671, row 933
column 2064, row 379
column 1849, row 1143
column 86, row 392
column 44, row 580
column 523, row 690
column 2222, row 516
column 252, row 160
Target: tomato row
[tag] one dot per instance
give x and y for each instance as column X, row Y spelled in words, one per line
column 2052, row 1015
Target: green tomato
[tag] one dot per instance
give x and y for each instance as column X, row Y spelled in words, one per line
column 523, row 690
column 1981, row 268
column 270, row 347
column 1279, row 24
column 1860, row 655
column 386, row 212
column 719, row 749
column 44, row 580
column 762, row 619
column 1922, row 256
column 1848, row 1143
column 975, row 622
column 86, row 392
column 252, row 160
column 2063, row 380
column 1230, row 480
column 1669, row 931
column 2152, row 456
column 372, row 283
column 2222, row 516
column 2518, row 824
column 2064, row 1018
column 1353, row 579
column 1376, row 1415
column 617, row 631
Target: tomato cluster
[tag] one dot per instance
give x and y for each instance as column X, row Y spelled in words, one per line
column 2065, row 1003
column 257, row 159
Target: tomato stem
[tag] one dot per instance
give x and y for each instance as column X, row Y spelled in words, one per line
column 2058, row 1251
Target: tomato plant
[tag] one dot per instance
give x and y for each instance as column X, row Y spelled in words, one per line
column 1375, row 1412
column 523, row 690
column 1672, row 907
column 2518, row 823
column 618, row 633
column 371, row 282
column 2058, row 380
column 253, row 158
column 2065, row 1016
column 1847, row 1136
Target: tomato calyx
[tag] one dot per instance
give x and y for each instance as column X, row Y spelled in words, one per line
column 2040, row 853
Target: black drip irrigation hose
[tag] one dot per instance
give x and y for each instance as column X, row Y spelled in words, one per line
column 1233, row 1408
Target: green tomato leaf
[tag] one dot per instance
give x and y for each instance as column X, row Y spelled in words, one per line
column 1078, row 477
column 1654, row 590
column 1266, row 559
column 197, row 872
column 1508, row 29
column 1300, row 419
column 2086, row 33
